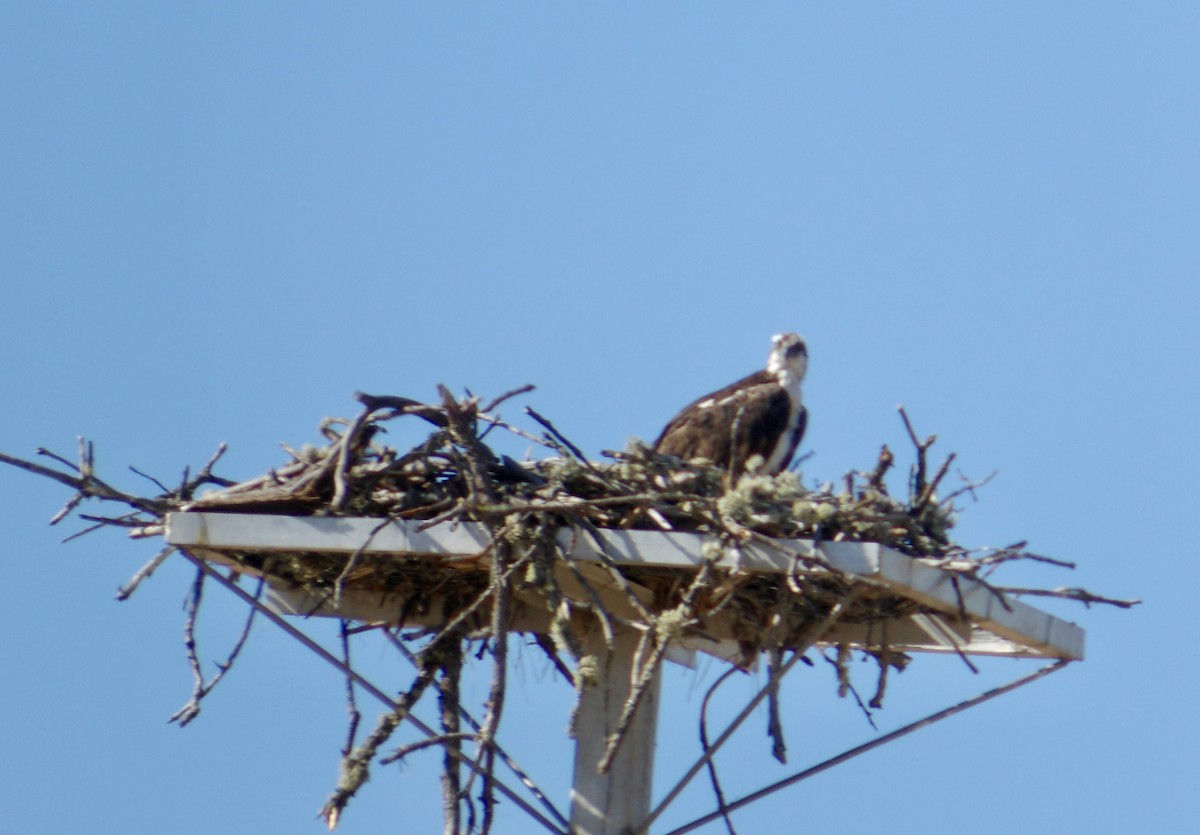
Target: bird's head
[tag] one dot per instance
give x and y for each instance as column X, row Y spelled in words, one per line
column 789, row 355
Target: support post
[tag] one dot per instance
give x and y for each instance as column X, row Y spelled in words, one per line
column 615, row 802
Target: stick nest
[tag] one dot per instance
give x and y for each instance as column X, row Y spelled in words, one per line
column 453, row 475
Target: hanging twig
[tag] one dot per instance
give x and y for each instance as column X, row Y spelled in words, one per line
column 512, row 764
column 356, row 765
column 351, row 704
column 774, row 724
column 145, row 571
column 711, row 763
column 668, row 627
column 359, row 679
column 200, row 688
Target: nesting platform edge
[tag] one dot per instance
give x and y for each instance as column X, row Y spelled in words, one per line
column 996, row 626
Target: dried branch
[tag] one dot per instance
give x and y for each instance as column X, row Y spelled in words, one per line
column 87, row 484
column 151, row 479
column 356, row 766
column 1082, row 595
column 200, row 688
column 144, row 572
column 480, row 494
column 886, row 460
column 710, row 763
column 508, row 395
column 560, row 438
column 774, row 723
column 351, row 704
column 969, row 486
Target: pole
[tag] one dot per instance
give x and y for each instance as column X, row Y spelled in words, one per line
column 615, row 802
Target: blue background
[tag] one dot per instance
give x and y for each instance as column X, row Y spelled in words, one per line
column 218, row 221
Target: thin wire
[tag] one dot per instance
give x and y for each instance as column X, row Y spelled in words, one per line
column 362, row 682
column 875, row 743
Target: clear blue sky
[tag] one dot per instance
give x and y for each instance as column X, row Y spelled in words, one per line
column 218, row 221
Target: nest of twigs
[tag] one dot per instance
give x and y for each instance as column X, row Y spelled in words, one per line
column 453, row 475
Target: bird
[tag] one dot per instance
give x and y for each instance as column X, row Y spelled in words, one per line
column 752, row 426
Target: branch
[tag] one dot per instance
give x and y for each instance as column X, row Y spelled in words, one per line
column 707, row 749
column 88, row 485
column 145, row 571
column 201, row 689
column 1082, row 595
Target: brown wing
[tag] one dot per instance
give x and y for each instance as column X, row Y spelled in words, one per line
column 729, row 426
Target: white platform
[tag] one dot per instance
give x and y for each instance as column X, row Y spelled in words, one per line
column 990, row 628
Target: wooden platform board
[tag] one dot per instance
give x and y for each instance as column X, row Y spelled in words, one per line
column 991, row 626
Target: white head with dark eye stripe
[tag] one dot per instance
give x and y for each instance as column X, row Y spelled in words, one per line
column 788, row 360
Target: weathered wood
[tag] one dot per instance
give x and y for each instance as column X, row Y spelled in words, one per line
column 614, row 802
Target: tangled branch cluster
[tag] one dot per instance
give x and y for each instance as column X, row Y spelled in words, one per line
column 454, row 475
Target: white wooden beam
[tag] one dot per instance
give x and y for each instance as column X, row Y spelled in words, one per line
column 614, row 802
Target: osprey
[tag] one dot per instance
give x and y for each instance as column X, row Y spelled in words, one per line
column 759, row 415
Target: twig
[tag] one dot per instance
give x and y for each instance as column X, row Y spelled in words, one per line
column 205, row 476
column 512, row 764
column 969, row 486
column 55, row 456
column 774, row 724
column 129, row 520
column 351, row 705
column 480, row 491
column 508, row 395
column 84, row 532
column 546, row 644
column 562, row 439
column 403, row 406
column 447, row 739
column 1082, row 595
column 200, row 688
column 190, row 710
column 359, row 679
column 345, row 455
column 88, row 485
column 151, row 479
column 886, row 460
column 1014, row 552
column 145, row 571
column 705, row 747
column 928, row 492
column 356, row 765
column 667, row 627
column 340, row 582
column 66, row 510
